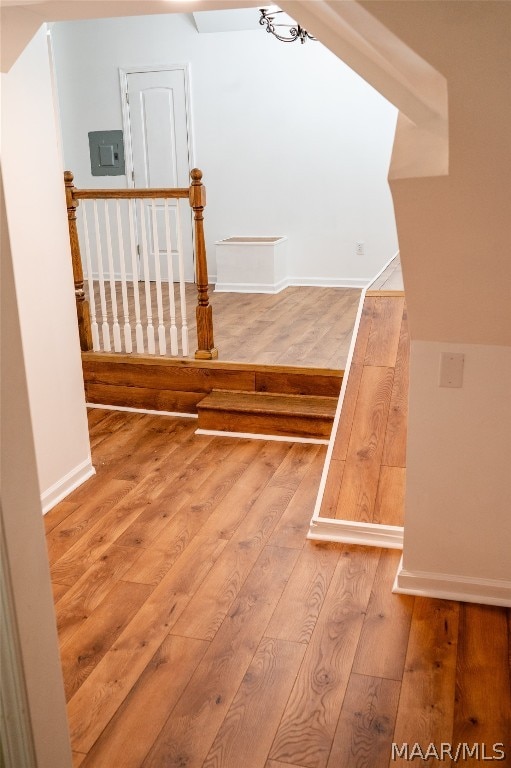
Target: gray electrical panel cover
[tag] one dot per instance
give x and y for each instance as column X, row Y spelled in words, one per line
column 106, row 153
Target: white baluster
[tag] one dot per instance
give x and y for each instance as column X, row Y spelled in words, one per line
column 174, row 350
column 147, row 283
column 113, row 295
column 139, row 333
column 162, row 342
column 182, row 290
column 125, row 308
column 105, row 328
column 90, row 281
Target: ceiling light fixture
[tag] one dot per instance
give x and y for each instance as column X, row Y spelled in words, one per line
column 295, row 31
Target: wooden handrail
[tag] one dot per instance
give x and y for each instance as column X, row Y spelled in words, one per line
column 120, row 194
column 196, row 195
column 82, row 305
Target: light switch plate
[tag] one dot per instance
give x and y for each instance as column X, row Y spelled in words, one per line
column 451, row 369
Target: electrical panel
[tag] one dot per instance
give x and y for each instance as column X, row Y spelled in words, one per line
column 107, row 153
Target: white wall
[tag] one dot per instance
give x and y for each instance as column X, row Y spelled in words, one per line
column 34, row 726
column 290, row 140
column 36, row 213
column 458, row 481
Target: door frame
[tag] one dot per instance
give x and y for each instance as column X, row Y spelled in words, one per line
column 126, row 124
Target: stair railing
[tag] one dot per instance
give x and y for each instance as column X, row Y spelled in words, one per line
column 135, row 246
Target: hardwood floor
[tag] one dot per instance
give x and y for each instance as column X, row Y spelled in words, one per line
column 199, row 627
column 366, row 481
column 303, row 326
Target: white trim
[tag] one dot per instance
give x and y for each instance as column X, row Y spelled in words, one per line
column 329, row 282
column 448, row 586
column 382, row 270
column 313, row 282
column 349, row 532
column 256, row 436
column 126, row 126
column 17, row 746
column 262, row 241
column 142, row 410
column 251, row 287
column 66, row 484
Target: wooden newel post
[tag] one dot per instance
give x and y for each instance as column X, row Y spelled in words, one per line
column 82, row 305
column 204, row 311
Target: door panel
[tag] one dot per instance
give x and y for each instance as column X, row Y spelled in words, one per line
column 159, row 143
column 160, row 246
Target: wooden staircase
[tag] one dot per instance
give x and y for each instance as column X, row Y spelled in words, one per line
column 267, row 413
column 228, row 397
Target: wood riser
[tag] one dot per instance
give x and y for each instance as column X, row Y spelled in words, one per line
column 264, row 424
column 178, row 385
column 267, row 413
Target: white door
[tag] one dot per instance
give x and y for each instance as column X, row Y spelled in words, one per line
column 157, row 110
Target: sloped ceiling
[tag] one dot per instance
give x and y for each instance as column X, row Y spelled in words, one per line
column 238, row 20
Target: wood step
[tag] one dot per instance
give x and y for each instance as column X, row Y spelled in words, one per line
column 168, row 384
column 267, row 413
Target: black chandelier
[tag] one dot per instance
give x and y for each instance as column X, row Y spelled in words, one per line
column 295, row 31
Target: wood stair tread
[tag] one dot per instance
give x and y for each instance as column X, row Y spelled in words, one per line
column 268, row 413
column 311, row 406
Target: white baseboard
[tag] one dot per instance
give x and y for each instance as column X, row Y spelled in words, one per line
column 179, row 414
column 329, row 282
column 66, row 484
column 251, row 287
column 447, row 586
column 313, row 282
column 349, row 532
column 257, row 436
